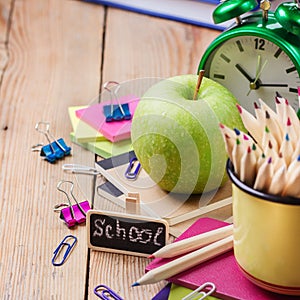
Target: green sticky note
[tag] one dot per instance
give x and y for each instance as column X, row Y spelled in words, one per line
column 178, row 292
column 105, row 148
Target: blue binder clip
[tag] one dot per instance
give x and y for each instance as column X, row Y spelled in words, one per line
column 54, row 150
column 115, row 112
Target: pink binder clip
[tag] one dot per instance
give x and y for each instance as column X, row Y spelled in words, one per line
column 76, row 213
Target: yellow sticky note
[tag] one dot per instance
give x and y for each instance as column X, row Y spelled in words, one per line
column 83, row 132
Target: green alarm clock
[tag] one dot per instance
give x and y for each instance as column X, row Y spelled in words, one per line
column 257, row 56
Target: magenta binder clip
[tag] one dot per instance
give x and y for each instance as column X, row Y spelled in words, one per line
column 74, row 213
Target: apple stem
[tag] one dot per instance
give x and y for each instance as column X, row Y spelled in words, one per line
column 200, row 76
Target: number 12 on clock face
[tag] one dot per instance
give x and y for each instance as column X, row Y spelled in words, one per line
column 252, row 67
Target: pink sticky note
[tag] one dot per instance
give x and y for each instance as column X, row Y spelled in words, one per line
column 113, row 131
column 223, row 271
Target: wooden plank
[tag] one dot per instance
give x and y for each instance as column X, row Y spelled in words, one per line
column 54, row 62
column 6, row 7
column 139, row 46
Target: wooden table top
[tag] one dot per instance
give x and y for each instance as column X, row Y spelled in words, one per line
column 55, row 54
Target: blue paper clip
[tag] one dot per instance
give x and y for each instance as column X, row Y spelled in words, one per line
column 117, row 112
column 63, row 244
column 133, row 169
column 199, row 292
column 106, row 293
column 54, row 150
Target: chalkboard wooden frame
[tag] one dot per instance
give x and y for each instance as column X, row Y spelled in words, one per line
column 125, row 233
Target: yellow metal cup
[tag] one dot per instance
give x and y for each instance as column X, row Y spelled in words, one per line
column 266, row 237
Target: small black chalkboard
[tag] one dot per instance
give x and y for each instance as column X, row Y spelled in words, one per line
column 123, row 233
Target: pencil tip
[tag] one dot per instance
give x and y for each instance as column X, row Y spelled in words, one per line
column 237, row 132
column 135, row 284
column 278, row 95
column 151, row 256
column 239, row 108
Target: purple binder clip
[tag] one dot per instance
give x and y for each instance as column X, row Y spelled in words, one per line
column 74, row 213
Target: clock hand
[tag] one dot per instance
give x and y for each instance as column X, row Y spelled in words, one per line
column 274, row 84
column 244, row 72
column 256, row 83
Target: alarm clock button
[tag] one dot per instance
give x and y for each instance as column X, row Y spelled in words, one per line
column 231, row 9
column 288, row 16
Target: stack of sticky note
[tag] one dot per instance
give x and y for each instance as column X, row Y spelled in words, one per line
column 92, row 132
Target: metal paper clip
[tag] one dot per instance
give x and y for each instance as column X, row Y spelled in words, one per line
column 133, row 169
column 73, row 214
column 80, row 169
column 106, row 293
column 117, row 112
column 55, row 149
column 199, row 292
column 63, row 244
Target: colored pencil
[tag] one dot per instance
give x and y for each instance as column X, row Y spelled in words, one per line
column 237, row 153
column 186, row 262
column 259, row 113
column 268, row 138
column 298, row 111
column 292, row 187
column 273, row 127
column 287, row 149
column 271, row 112
column 248, row 167
column 278, row 181
column 250, row 123
column 264, row 175
column 280, row 107
column 269, row 161
column 193, row 243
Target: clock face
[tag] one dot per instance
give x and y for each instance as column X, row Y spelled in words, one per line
column 251, row 68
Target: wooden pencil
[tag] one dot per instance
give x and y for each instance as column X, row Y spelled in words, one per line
column 280, row 107
column 273, row 115
column 298, row 111
column 237, row 153
column 248, row 167
column 286, row 149
column 273, row 127
column 264, row 175
column 186, row 262
column 259, row 113
column 193, row 243
column 291, row 129
column 267, row 138
column 292, row 187
column 250, row 123
column 278, row 181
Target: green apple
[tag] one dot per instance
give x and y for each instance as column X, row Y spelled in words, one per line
column 177, row 139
